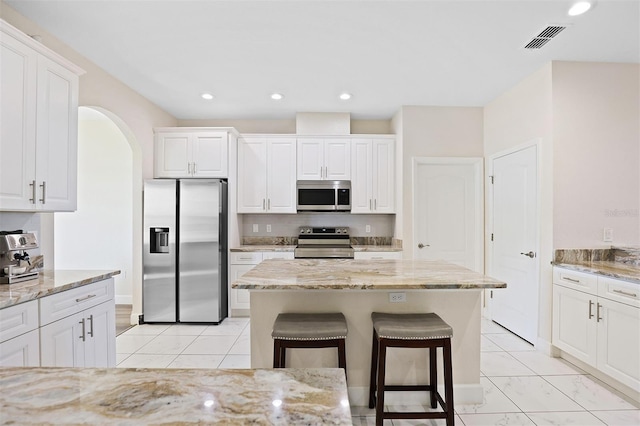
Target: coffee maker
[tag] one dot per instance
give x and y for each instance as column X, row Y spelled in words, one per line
column 15, row 263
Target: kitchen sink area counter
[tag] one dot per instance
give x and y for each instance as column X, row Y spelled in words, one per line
column 150, row 396
column 50, row 282
column 357, row 288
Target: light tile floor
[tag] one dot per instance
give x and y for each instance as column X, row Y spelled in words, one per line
column 521, row 385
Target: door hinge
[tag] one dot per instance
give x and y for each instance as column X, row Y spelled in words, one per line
column 491, row 237
column 491, row 179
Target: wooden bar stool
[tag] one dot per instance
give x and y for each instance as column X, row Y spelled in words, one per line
column 411, row 331
column 313, row 330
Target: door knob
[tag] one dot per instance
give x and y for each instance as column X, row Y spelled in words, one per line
column 423, row 245
column 530, row 254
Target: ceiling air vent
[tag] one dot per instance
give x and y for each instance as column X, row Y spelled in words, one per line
column 545, row 35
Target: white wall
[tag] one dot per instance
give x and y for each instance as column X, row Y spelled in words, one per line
column 285, row 126
column 596, row 141
column 432, row 132
column 520, row 115
column 99, row 234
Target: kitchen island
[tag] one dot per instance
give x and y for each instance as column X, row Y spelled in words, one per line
column 358, row 287
column 160, row 396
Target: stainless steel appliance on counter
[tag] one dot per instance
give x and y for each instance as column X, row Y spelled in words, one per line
column 13, row 255
column 323, row 242
column 185, row 251
column 324, row 195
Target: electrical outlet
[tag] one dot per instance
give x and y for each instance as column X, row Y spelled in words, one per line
column 397, row 297
column 367, row 228
column 269, row 228
column 256, row 228
column 607, row 236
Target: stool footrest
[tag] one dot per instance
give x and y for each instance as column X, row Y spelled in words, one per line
column 407, row 388
column 413, row 415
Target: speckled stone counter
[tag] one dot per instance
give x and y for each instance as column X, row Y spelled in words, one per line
column 159, row 396
column 623, row 271
column 357, row 288
column 263, row 247
column 319, row 274
column 48, row 283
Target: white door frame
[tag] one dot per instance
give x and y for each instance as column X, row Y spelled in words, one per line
column 489, row 223
column 478, row 163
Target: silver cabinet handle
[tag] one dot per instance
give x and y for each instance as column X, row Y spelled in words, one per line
column 91, row 327
column 370, row 208
column 195, row 168
column 625, row 293
column 83, row 336
column 326, row 172
column 321, row 172
column 598, row 317
column 569, row 279
column 375, row 204
column 264, row 204
column 33, row 192
column 188, row 168
column 44, row 188
column 530, row 254
column 268, row 203
column 88, row 296
column 590, row 313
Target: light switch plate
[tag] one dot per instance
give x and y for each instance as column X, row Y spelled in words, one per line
column 256, row 228
column 607, row 235
column 269, row 228
column 367, row 228
column 397, row 297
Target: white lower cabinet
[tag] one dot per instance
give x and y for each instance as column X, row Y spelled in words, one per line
column 78, row 327
column 375, row 255
column 19, row 344
column 239, row 264
column 589, row 325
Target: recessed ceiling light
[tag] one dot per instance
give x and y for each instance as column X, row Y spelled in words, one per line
column 277, row 96
column 345, row 96
column 207, row 96
column 579, row 8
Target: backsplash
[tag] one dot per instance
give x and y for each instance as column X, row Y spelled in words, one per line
column 287, row 225
column 626, row 255
column 292, row 241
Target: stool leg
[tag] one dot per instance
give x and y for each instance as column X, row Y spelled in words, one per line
column 283, row 355
column 374, row 365
column 448, row 381
column 433, row 376
column 276, row 353
column 342, row 356
column 382, row 357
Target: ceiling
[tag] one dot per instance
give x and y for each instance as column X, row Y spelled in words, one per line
column 385, row 53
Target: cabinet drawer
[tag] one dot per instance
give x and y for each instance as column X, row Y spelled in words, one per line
column 61, row 305
column 620, row 291
column 576, row 280
column 277, row 255
column 245, row 258
column 18, row 319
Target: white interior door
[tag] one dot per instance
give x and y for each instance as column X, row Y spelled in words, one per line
column 515, row 228
column 448, row 211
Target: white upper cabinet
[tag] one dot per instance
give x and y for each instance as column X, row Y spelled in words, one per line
column 266, row 174
column 39, row 116
column 324, row 159
column 372, row 175
column 191, row 153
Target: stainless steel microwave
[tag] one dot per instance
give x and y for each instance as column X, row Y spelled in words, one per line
column 324, row 195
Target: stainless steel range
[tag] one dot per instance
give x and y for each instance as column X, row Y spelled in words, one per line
column 323, row 242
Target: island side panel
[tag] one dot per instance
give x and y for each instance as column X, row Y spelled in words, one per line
column 460, row 308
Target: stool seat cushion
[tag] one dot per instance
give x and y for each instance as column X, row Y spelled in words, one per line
column 310, row 326
column 410, row 326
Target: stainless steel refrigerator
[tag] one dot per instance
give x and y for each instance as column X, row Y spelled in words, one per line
column 185, row 251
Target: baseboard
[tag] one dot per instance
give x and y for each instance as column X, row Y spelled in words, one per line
column 135, row 318
column 124, row 300
column 546, row 348
column 462, row 394
column 239, row 313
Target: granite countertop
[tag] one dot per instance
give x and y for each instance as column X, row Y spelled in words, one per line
column 155, row 396
column 48, row 283
column 347, row 274
column 619, row 270
column 277, row 247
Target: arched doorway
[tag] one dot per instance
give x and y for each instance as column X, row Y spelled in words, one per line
column 105, row 231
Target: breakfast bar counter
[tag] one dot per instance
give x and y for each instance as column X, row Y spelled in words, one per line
column 160, row 396
column 357, row 288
